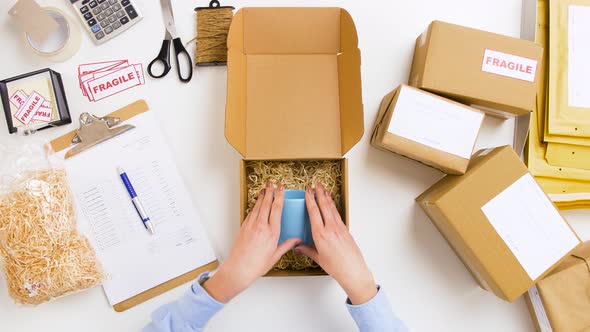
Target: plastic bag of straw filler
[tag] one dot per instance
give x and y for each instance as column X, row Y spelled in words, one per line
column 41, row 253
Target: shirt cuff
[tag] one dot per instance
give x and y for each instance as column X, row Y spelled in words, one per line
column 376, row 314
column 194, row 309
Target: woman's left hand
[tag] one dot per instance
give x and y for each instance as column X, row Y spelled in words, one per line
column 255, row 250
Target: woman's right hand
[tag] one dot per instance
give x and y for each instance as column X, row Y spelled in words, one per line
column 335, row 249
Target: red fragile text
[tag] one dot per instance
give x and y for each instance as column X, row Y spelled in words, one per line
column 18, row 99
column 509, row 65
column 29, row 109
column 114, row 82
column 43, row 113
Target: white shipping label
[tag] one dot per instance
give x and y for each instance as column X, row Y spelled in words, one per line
column 578, row 72
column 434, row 122
column 509, row 65
column 529, row 224
column 539, row 309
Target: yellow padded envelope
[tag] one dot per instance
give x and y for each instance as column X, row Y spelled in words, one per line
column 542, row 37
column 564, row 151
column 568, row 111
column 568, row 187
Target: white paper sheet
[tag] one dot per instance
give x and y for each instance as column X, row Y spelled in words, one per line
column 539, row 310
column 578, row 56
column 135, row 260
column 524, row 217
column 435, row 123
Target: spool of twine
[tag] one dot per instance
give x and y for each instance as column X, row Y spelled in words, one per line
column 212, row 28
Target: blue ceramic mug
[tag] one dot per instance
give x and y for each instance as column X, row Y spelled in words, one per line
column 295, row 219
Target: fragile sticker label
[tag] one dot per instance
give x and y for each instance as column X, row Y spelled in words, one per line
column 44, row 113
column 113, row 83
column 18, row 98
column 103, row 79
column 29, row 108
column 509, row 65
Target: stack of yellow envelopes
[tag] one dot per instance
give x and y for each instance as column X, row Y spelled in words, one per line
column 558, row 152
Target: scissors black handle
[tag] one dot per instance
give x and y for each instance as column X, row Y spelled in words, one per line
column 163, row 58
column 186, row 66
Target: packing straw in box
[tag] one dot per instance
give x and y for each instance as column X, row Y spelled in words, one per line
column 297, row 174
column 300, row 104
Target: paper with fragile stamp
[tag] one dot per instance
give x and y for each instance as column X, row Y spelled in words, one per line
column 135, row 260
column 31, row 101
column 100, row 80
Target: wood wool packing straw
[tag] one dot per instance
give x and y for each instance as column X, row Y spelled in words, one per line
column 212, row 28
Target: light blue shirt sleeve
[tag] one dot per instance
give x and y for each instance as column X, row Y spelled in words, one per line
column 193, row 310
column 376, row 315
column 190, row 313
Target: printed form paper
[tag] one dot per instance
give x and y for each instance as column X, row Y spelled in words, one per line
column 135, row 260
column 435, row 123
column 539, row 309
column 578, row 56
column 524, row 217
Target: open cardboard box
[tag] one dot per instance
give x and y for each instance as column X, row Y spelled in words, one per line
column 293, row 89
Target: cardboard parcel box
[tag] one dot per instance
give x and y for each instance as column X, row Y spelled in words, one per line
column 425, row 127
column 560, row 302
column 499, row 222
column 293, row 89
column 494, row 72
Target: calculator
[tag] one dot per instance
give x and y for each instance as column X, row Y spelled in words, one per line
column 105, row 19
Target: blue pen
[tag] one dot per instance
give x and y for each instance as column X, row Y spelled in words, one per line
column 136, row 202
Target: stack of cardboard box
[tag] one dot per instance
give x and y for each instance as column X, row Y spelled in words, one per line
column 489, row 207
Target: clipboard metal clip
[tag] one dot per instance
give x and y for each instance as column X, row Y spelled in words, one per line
column 94, row 130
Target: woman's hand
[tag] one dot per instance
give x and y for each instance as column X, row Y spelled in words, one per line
column 255, row 250
column 335, row 250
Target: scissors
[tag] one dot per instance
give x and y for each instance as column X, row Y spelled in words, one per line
column 163, row 57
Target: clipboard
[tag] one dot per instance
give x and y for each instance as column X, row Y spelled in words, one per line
column 64, row 142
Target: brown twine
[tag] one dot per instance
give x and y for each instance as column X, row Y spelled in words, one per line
column 584, row 259
column 212, row 29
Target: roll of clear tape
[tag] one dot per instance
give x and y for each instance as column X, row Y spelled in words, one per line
column 61, row 44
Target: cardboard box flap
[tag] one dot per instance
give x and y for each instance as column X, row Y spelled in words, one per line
column 294, row 84
column 292, row 31
column 350, row 98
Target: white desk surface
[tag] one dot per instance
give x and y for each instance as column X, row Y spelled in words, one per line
column 428, row 286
